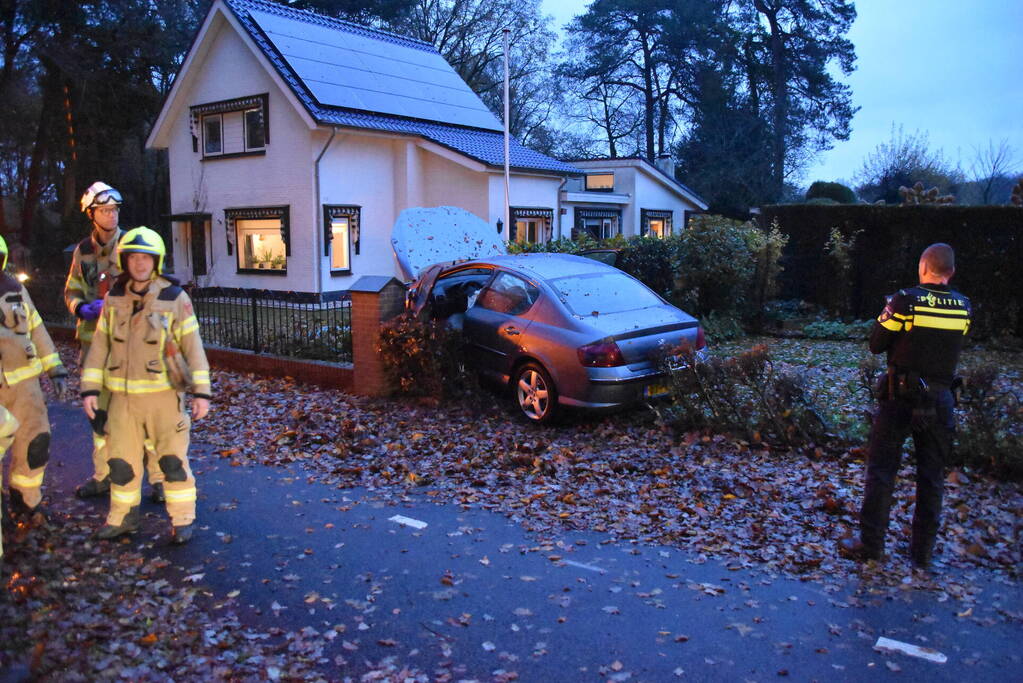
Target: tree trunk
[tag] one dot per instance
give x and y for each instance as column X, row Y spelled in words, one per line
column 779, row 88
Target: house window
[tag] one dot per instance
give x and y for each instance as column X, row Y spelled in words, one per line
column 341, row 233
column 262, row 238
column 600, row 182
column 231, row 127
column 655, row 223
column 531, row 226
column 599, row 224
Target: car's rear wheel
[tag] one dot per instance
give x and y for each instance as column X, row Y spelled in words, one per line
column 535, row 393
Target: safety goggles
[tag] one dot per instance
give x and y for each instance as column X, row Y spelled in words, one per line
column 110, row 196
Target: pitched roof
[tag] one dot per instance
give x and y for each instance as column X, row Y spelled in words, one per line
column 350, row 75
column 651, row 167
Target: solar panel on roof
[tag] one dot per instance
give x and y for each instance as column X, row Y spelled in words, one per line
column 344, row 69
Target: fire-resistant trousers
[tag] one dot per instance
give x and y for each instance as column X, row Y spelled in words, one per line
column 8, row 427
column 31, row 449
column 932, row 437
column 161, row 418
column 100, row 468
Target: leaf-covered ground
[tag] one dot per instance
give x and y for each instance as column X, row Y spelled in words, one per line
column 711, row 495
column 623, row 474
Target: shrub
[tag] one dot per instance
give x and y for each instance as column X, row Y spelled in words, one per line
column 720, row 328
column 838, row 254
column 716, row 266
column 990, row 430
column 836, row 329
column 423, row 358
column 837, row 192
column 745, row 395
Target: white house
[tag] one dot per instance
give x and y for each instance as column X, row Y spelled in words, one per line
column 626, row 196
column 294, row 141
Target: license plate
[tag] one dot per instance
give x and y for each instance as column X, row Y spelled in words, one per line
column 656, row 390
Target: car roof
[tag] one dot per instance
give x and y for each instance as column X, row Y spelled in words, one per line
column 547, row 266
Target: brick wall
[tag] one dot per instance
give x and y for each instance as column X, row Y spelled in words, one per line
column 369, row 310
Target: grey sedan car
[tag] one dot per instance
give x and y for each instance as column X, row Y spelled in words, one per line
column 557, row 330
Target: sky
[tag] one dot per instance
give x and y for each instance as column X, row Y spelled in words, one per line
column 949, row 69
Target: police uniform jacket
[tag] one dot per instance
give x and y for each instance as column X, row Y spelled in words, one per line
column 90, row 261
column 26, row 350
column 129, row 350
column 922, row 329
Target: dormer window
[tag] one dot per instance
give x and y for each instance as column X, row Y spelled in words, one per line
column 600, row 182
column 231, row 127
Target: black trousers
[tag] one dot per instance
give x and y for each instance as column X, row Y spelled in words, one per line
column 931, row 421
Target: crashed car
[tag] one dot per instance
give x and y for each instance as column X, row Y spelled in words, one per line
column 556, row 329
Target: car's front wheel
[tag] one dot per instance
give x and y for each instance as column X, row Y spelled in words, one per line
column 535, row 393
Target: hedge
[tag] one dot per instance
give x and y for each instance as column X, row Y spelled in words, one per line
column 987, row 240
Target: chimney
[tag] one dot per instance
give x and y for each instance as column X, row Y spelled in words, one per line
column 666, row 164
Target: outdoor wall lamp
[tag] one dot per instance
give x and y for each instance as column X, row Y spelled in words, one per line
column 500, row 226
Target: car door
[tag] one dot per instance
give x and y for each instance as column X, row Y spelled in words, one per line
column 496, row 323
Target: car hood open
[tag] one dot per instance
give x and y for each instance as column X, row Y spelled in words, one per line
column 424, row 236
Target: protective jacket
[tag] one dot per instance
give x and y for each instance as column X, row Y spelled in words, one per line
column 922, row 329
column 26, row 350
column 134, row 335
column 91, row 265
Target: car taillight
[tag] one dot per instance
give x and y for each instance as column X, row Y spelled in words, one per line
column 600, row 355
column 701, row 341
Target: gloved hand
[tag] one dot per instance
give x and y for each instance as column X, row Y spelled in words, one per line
column 91, row 310
column 60, row 387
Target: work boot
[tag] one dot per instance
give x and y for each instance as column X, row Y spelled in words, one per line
column 129, row 524
column 20, row 512
column 93, row 488
column 856, row 550
column 180, row 535
column 156, row 494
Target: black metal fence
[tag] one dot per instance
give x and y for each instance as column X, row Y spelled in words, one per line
column 279, row 323
column 290, row 324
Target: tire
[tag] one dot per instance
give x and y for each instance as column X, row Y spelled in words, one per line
column 535, row 394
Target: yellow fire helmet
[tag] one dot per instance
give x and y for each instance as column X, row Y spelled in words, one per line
column 3, row 254
column 141, row 240
column 100, row 194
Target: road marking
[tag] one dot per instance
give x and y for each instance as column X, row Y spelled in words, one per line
column 912, row 650
column 408, row 521
column 589, row 567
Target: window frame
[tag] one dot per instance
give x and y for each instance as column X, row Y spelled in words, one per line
column 666, row 215
column 353, row 213
column 233, row 215
column 586, row 182
column 199, row 114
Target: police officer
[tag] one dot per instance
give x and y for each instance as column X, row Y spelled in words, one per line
column 922, row 330
column 26, row 351
column 146, row 352
column 93, row 268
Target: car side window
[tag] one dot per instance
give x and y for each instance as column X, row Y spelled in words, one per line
column 508, row 294
column 454, row 293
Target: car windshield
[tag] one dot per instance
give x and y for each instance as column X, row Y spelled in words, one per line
column 603, row 293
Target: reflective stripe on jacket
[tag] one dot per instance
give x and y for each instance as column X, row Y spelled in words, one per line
column 128, row 350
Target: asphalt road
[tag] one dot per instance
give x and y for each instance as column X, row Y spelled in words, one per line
column 472, row 593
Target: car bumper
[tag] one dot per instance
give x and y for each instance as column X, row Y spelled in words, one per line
column 613, row 387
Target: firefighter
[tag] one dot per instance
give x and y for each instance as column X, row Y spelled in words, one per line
column 26, row 351
column 922, row 330
column 93, row 268
column 147, row 352
column 8, row 428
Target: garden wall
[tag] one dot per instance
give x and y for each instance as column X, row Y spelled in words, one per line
column 989, row 254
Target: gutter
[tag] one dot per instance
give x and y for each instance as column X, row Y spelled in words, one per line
column 319, row 212
column 557, row 206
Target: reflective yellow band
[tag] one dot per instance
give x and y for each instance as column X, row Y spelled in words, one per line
column 50, row 362
column 33, row 369
column 947, row 311
column 127, row 496
column 98, row 441
column 27, row 482
column 941, row 323
column 189, row 326
column 149, row 445
column 891, row 325
column 201, row 376
column 180, row 496
column 34, row 320
column 137, row 386
column 899, row 316
column 92, row 375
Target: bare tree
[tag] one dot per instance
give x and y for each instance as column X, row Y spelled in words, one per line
column 992, row 169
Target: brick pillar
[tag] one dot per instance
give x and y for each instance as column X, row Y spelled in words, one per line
column 369, row 311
